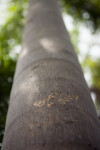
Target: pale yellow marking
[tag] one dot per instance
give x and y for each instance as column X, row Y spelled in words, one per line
column 60, row 99
column 76, row 97
column 56, row 95
column 49, row 105
column 39, row 103
column 67, row 99
column 50, row 97
column 31, row 126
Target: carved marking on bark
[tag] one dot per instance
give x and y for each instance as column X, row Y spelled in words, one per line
column 48, row 101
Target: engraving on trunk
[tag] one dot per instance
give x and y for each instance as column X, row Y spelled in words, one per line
column 55, row 98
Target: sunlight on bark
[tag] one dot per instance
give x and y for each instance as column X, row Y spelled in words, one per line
column 49, row 44
column 23, row 53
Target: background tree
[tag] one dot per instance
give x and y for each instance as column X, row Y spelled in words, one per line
column 50, row 104
column 10, row 37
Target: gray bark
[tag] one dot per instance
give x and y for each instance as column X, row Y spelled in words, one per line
column 50, row 103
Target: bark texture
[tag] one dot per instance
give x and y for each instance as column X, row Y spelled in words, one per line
column 50, row 104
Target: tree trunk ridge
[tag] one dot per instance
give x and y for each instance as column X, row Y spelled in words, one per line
column 50, row 103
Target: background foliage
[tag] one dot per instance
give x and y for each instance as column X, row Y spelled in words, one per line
column 82, row 11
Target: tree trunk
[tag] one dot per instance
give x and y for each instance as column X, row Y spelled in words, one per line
column 50, row 104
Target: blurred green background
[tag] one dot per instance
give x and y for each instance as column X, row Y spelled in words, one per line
column 82, row 18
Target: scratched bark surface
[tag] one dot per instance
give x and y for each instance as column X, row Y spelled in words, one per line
column 50, row 103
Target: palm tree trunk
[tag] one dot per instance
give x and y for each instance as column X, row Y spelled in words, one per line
column 50, row 104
